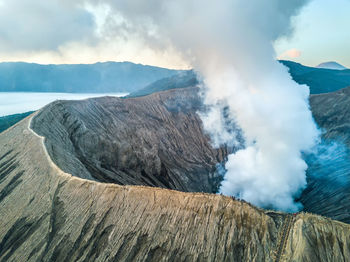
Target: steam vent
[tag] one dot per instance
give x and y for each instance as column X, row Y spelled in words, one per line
column 78, row 187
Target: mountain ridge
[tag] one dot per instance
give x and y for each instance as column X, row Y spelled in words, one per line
column 332, row 65
column 319, row 80
column 102, row 77
column 180, row 80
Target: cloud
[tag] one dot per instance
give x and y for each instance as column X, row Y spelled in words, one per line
column 291, row 53
column 27, row 25
column 62, row 31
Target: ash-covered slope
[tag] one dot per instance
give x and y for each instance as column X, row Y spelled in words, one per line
column 328, row 190
column 48, row 215
column 155, row 140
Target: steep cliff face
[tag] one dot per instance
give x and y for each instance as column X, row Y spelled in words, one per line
column 155, row 140
column 49, row 215
column 332, row 113
column 328, row 177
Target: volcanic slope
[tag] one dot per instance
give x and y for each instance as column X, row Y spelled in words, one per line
column 49, row 215
column 156, row 140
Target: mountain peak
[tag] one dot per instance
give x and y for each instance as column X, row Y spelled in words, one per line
column 331, row 65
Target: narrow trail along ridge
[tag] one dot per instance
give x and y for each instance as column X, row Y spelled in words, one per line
column 287, row 225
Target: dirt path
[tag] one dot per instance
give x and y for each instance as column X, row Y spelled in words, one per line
column 287, row 225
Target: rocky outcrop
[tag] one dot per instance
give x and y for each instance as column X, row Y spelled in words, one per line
column 155, row 140
column 49, row 215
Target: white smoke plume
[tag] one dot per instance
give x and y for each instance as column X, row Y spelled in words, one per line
column 230, row 42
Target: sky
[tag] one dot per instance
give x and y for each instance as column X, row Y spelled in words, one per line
column 321, row 34
column 62, row 31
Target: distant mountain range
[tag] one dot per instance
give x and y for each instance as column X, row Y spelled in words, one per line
column 105, row 77
column 318, row 79
column 331, row 65
column 136, row 79
column 127, row 77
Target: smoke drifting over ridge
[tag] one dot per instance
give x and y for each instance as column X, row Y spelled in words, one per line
column 230, row 44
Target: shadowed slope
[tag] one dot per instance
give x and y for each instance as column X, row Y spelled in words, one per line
column 328, row 176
